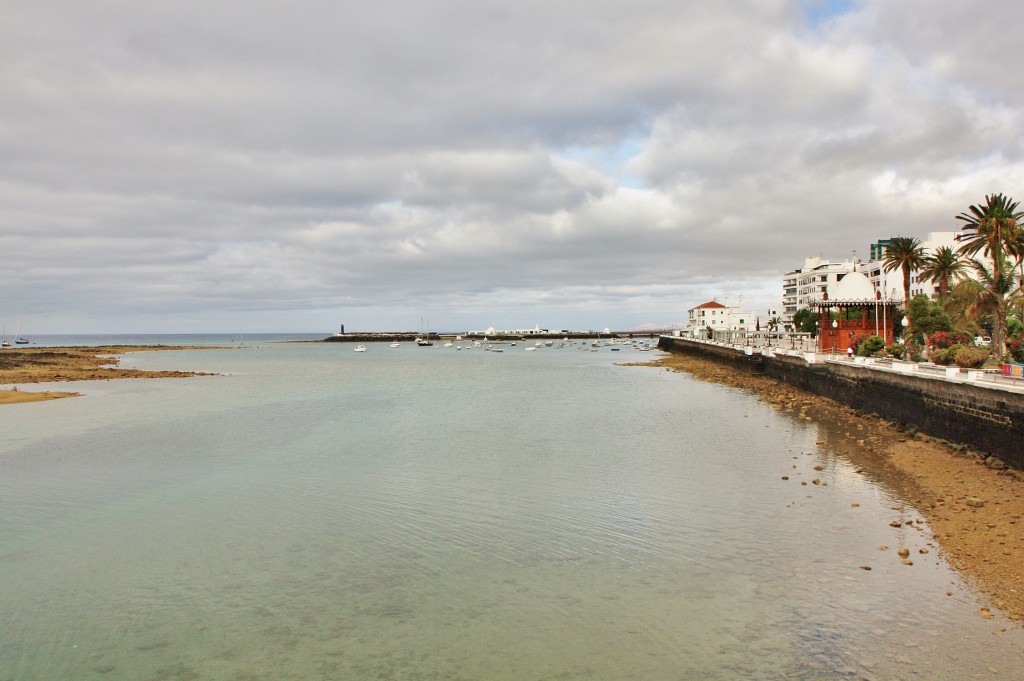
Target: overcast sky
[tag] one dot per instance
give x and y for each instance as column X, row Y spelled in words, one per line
column 246, row 165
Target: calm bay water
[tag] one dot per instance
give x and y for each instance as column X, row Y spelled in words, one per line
column 426, row 513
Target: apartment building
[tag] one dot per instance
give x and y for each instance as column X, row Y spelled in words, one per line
column 805, row 286
column 718, row 317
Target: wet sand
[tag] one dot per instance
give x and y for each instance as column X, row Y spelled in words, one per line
column 47, row 365
column 976, row 514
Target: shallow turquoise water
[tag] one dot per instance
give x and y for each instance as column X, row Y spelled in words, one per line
column 423, row 513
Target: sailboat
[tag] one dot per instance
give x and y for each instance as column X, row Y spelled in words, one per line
column 6, row 343
column 420, row 340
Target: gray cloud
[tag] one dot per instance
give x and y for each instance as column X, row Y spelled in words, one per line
column 266, row 166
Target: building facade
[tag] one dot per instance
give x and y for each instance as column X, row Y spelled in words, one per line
column 715, row 316
column 804, row 286
column 807, row 286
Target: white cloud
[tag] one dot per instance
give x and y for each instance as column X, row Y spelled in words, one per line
column 232, row 165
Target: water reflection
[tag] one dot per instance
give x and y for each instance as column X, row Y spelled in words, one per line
column 549, row 516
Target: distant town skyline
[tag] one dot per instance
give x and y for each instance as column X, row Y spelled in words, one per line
column 266, row 167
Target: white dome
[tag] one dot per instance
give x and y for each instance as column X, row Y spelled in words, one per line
column 854, row 286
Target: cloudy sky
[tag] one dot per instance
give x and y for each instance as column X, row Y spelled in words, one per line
column 248, row 165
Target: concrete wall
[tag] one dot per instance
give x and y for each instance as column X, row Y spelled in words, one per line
column 734, row 357
column 985, row 419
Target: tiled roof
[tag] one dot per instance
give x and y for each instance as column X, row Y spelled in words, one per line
column 710, row 303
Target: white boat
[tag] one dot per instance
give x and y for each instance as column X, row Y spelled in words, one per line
column 360, row 348
column 396, row 344
column 532, row 348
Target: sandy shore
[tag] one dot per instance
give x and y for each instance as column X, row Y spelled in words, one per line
column 47, row 365
column 976, row 515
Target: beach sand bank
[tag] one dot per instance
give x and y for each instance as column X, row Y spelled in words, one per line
column 975, row 514
column 47, row 365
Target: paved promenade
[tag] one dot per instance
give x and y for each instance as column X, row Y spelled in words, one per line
column 806, row 349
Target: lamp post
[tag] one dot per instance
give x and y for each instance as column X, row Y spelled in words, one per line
column 835, row 336
column 905, row 323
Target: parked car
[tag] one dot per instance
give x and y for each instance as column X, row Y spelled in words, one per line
column 982, row 341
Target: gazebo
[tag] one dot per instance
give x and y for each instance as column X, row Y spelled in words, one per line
column 855, row 310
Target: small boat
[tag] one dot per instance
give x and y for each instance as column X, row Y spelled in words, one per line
column 396, row 344
column 22, row 341
column 360, row 348
column 423, row 343
column 532, row 348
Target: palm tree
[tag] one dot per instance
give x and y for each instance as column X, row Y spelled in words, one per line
column 993, row 229
column 943, row 266
column 991, row 294
column 904, row 253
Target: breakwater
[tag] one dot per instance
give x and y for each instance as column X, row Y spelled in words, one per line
column 986, row 418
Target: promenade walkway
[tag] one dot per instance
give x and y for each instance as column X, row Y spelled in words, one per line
column 806, row 350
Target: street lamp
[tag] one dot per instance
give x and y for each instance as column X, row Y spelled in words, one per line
column 905, row 323
column 835, row 336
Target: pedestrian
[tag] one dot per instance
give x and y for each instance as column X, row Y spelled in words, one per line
column 849, row 352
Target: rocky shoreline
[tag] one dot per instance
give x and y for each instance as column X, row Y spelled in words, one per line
column 975, row 512
column 49, row 365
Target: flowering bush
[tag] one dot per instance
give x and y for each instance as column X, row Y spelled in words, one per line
column 1016, row 349
column 946, row 339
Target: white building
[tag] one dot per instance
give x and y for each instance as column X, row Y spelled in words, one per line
column 535, row 331
column 807, row 285
column 804, row 286
column 718, row 317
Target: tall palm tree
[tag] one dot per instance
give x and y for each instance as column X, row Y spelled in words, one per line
column 943, row 266
column 904, row 253
column 992, row 228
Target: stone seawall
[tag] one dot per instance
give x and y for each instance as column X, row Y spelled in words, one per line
column 734, row 357
column 986, row 419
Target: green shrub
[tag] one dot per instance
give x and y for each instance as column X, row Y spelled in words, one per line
column 870, row 345
column 971, row 358
column 895, row 350
column 941, row 356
